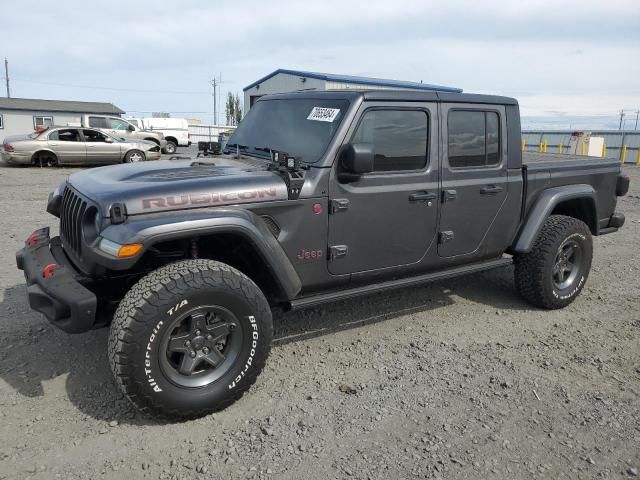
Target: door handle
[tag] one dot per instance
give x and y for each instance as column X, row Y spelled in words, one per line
column 53, row 144
column 490, row 190
column 421, row 196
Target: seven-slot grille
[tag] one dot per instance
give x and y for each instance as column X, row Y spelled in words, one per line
column 71, row 214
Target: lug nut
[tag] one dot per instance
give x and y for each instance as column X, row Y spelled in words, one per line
column 209, row 337
column 187, row 343
column 197, row 332
column 192, row 354
column 205, row 350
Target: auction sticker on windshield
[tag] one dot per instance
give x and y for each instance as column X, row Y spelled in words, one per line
column 321, row 114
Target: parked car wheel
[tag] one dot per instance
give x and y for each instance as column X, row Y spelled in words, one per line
column 170, row 148
column 134, row 156
column 45, row 159
column 554, row 272
column 189, row 339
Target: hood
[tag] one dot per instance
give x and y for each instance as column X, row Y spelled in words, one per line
column 164, row 185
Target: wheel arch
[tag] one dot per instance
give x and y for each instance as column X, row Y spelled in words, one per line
column 154, row 140
column 171, row 138
column 234, row 236
column 41, row 151
column 577, row 201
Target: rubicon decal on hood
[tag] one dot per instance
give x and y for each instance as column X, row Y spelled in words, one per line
column 211, row 198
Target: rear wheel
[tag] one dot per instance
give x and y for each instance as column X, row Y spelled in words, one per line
column 170, row 148
column 554, row 272
column 134, row 156
column 190, row 339
column 45, row 159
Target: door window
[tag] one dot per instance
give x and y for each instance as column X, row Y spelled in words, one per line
column 117, row 124
column 399, row 138
column 94, row 136
column 42, row 123
column 474, row 138
column 67, row 135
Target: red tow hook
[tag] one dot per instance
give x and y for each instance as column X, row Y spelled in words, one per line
column 48, row 270
column 33, row 238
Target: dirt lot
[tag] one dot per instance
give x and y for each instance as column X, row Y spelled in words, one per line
column 458, row 379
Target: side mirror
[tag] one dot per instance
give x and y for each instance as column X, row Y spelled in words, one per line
column 356, row 159
column 108, row 140
column 131, row 128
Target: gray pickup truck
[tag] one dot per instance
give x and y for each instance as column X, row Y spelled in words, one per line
column 319, row 196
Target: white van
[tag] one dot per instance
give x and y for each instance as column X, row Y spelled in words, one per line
column 175, row 130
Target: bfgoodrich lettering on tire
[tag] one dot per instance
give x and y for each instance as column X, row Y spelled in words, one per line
column 189, row 339
column 554, row 272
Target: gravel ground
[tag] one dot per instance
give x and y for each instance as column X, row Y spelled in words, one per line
column 457, row 379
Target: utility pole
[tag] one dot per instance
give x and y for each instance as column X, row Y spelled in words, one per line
column 637, row 113
column 214, row 83
column 6, row 76
column 621, row 117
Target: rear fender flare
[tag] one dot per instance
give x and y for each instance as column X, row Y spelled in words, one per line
column 185, row 224
column 542, row 208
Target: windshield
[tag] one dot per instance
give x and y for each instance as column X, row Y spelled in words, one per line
column 302, row 127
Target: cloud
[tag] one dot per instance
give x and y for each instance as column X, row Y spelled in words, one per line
column 531, row 49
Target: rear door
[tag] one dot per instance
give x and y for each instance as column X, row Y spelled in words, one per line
column 68, row 146
column 474, row 176
column 100, row 147
column 387, row 218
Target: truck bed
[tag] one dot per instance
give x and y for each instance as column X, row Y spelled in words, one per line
column 547, row 170
column 536, row 159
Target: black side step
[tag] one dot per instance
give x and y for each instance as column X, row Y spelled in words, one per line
column 312, row 300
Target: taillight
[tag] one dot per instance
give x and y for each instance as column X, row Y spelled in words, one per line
column 8, row 147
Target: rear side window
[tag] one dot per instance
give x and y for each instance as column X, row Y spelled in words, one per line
column 68, row 135
column 399, row 138
column 98, row 122
column 474, row 138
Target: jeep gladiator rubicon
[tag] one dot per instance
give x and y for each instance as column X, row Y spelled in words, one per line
column 318, row 196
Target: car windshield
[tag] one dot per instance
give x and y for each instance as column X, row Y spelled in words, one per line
column 302, row 127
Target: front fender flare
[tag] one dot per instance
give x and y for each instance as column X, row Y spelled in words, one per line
column 149, row 230
column 543, row 207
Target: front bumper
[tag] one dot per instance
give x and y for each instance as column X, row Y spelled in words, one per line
column 61, row 298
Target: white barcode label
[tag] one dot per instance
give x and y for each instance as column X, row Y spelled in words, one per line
column 321, row 114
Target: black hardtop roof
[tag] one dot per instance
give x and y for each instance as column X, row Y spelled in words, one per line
column 398, row 95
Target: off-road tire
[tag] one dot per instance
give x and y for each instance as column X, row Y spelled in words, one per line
column 171, row 148
column 131, row 155
column 534, row 271
column 144, row 318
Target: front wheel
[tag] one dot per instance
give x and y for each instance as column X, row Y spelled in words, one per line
column 190, row 339
column 134, row 156
column 554, row 272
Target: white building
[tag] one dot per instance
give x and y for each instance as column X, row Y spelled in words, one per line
column 283, row 81
column 19, row 116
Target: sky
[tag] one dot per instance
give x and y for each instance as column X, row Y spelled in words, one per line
column 569, row 63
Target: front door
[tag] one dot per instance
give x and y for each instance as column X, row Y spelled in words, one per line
column 68, row 146
column 474, row 176
column 100, row 147
column 388, row 217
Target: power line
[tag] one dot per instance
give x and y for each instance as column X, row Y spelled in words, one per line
column 176, row 92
